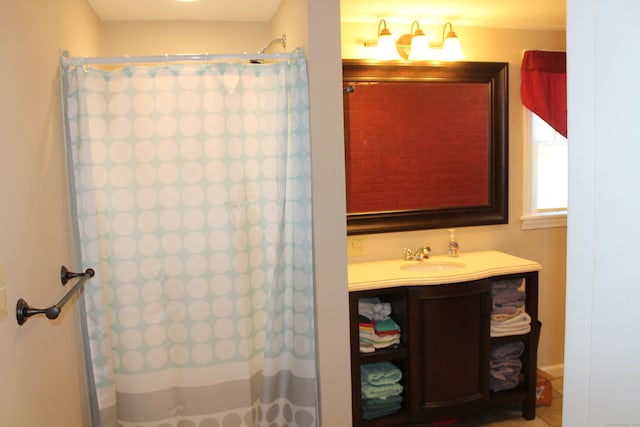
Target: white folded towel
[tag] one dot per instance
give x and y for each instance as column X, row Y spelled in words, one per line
column 373, row 309
column 518, row 325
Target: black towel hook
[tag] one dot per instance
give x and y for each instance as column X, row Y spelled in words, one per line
column 23, row 311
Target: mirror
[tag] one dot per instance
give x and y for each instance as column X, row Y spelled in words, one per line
column 425, row 144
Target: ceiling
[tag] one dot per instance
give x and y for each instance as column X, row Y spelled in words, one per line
column 525, row 14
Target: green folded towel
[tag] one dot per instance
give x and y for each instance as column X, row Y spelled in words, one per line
column 386, row 325
column 380, row 373
column 370, row 391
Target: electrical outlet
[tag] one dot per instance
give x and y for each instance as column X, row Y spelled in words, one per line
column 3, row 294
column 357, row 246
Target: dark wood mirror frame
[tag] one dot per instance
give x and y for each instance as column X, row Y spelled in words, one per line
column 492, row 74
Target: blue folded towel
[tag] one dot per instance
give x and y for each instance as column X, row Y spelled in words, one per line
column 374, row 408
column 380, row 373
column 377, row 413
column 391, row 401
column 505, row 286
column 510, row 350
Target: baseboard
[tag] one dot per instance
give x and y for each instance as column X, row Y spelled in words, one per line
column 554, row 371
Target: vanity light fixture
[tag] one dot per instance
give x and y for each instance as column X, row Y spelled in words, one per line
column 419, row 44
column 386, row 48
column 415, row 45
column 451, row 49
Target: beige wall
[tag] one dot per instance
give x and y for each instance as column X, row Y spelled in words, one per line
column 548, row 246
column 329, row 211
column 40, row 365
column 290, row 19
column 178, row 37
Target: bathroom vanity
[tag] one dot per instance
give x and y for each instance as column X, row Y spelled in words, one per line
column 443, row 307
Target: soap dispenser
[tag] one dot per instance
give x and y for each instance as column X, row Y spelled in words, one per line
column 453, row 249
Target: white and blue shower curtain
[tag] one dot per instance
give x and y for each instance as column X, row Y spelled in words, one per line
column 193, row 205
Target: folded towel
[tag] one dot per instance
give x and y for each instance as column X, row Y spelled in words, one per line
column 505, row 365
column 506, row 384
column 362, row 320
column 367, row 348
column 500, row 314
column 520, row 319
column 364, row 334
column 506, row 310
column 511, row 299
column 373, row 308
column 388, row 336
column 386, row 325
column 366, row 328
column 381, row 346
column 380, row 373
column 517, row 325
column 371, row 414
column 506, row 285
column 510, row 350
column 513, row 330
column 378, row 344
column 505, row 370
column 391, row 401
column 373, row 337
column 374, row 408
column 384, row 391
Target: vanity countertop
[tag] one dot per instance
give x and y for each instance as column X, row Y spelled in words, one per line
column 438, row 270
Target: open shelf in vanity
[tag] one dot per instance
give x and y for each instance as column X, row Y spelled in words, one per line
column 445, row 346
column 397, row 355
column 525, row 392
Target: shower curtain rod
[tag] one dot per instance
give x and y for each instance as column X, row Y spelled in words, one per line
column 67, row 61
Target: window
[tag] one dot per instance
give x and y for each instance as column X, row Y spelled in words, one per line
column 547, row 178
column 544, row 94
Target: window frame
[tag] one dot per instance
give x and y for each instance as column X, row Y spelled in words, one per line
column 533, row 218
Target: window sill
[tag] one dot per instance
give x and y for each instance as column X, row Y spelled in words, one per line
column 533, row 222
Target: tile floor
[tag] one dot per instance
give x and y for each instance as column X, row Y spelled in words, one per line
column 546, row 416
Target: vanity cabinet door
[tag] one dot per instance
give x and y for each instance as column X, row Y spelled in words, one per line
column 450, row 336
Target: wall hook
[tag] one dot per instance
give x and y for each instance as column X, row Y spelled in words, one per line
column 23, row 311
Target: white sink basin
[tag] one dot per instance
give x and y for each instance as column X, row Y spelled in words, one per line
column 431, row 267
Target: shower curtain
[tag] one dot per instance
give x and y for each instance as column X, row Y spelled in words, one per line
column 193, row 205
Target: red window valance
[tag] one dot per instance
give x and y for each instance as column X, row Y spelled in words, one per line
column 544, row 87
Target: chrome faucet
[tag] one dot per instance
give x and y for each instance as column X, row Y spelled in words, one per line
column 420, row 253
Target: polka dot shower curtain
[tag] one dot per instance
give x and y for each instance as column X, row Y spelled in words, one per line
column 193, row 201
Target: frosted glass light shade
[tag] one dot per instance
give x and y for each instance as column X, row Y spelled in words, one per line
column 451, row 49
column 386, row 47
column 419, row 48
